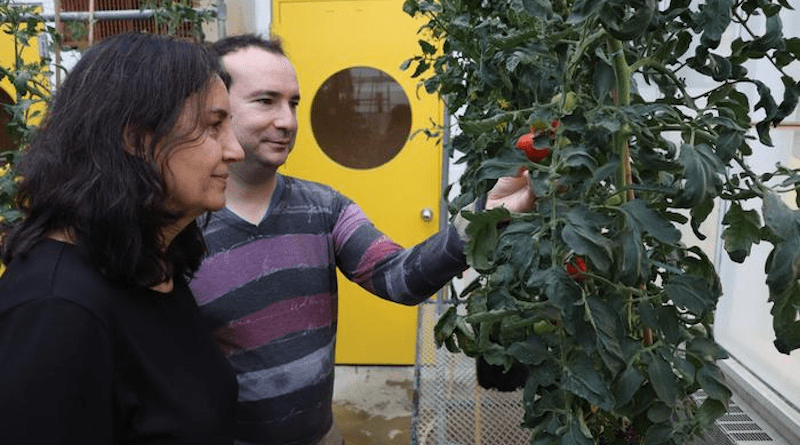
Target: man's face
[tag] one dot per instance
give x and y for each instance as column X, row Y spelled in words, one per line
column 264, row 94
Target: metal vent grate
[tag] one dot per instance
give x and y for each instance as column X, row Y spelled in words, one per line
column 735, row 418
column 738, row 427
column 750, row 437
column 741, row 427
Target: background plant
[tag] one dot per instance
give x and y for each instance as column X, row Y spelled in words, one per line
column 615, row 355
column 29, row 78
column 180, row 17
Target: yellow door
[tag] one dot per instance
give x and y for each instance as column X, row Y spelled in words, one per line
column 357, row 107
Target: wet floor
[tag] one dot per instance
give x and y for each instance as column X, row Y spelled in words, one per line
column 373, row 405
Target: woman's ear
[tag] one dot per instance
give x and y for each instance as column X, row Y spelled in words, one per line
column 129, row 141
column 135, row 142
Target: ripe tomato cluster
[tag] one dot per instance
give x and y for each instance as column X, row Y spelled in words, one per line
column 527, row 142
column 576, row 268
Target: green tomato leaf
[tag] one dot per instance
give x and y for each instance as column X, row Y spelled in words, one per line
column 604, row 80
column 445, row 326
column 630, row 255
column 581, row 379
column 743, row 229
column 729, row 143
column 662, row 379
column 607, row 324
column 659, row 412
column 706, row 349
column 714, row 19
column 651, row 222
column 560, row 291
column 787, row 329
column 702, row 173
column 628, row 382
column 583, row 233
column 713, row 382
column 532, row 351
column 482, row 232
column 772, row 38
column 663, row 319
column 505, row 164
column 575, row 435
column 783, row 270
column 691, row 293
column 583, row 9
column 709, row 411
column 623, row 24
column 685, row 369
column 658, row 433
column 538, row 8
column 791, row 94
column 426, row 47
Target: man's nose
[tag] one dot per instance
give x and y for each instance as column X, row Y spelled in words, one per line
column 286, row 118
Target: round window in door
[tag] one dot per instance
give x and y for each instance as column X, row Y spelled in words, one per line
column 361, row 117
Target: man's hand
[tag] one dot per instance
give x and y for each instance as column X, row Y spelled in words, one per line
column 513, row 193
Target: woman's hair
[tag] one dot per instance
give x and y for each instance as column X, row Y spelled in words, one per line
column 93, row 168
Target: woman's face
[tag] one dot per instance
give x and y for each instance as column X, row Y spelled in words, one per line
column 197, row 168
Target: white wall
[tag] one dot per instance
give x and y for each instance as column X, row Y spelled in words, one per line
column 248, row 16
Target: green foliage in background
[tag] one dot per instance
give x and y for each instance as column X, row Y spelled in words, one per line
column 180, row 17
column 614, row 355
column 22, row 24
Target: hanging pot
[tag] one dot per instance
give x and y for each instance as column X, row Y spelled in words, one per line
column 494, row 376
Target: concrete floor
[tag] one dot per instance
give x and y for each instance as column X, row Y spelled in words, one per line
column 373, row 405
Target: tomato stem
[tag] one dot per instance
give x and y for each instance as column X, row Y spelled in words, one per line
column 622, row 97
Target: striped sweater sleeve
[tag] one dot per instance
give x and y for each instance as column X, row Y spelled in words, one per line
column 381, row 266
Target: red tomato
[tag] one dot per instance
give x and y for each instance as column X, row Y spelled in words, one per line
column 526, row 144
column 576, row 268
column 553, row 128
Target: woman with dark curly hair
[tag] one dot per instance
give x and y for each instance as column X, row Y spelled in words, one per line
column 101, row 341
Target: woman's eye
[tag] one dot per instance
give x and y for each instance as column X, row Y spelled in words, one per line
column 216, row 127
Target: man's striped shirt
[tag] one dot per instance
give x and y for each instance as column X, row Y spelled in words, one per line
column 270, row 295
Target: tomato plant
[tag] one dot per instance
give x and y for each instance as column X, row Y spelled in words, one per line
column 625, row 170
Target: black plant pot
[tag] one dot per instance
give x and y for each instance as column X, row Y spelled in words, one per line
column 494, row 377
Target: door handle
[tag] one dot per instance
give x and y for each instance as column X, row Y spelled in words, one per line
column 426, row 214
